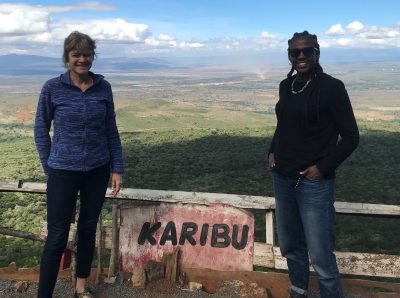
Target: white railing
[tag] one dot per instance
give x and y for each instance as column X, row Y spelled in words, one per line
column 265, row 254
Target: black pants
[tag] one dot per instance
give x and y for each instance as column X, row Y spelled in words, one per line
column 62, row 191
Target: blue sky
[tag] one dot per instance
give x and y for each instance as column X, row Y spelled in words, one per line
column 151, row 27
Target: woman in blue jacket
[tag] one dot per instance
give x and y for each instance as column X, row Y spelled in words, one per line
column 84, row 149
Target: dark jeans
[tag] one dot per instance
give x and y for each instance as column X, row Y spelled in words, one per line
column 305, row 216
column 62, row 190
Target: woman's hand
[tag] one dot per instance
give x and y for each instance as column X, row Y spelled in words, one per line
column 116, row 183
column 312, row 173
column 271, row 161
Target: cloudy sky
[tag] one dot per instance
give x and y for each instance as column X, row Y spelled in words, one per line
column 177, row 27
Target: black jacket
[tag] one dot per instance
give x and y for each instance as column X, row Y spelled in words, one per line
column 309, row 125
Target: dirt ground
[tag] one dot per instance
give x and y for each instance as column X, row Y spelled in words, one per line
column 211, row 283
column 158, row 289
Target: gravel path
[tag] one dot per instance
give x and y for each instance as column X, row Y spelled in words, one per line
column 159, row 289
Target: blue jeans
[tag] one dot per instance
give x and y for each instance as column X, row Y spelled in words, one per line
column 62, row 191
column 305, row 218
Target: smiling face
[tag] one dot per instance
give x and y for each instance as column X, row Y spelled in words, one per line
column 80, row 61
column 303, row 55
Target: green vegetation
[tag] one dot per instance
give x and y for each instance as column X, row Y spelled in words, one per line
column 159, row 115
column 215, row 160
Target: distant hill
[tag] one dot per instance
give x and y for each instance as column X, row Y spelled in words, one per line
column 28, row 65
column 14, row 64
column 40, row 65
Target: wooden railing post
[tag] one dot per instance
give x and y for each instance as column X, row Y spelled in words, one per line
column 115, row 239
column 99, row 248
column 269, row 226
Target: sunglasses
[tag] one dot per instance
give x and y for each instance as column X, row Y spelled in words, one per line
column 307, row 52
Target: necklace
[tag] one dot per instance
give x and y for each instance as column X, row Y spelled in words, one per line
column 304, row 87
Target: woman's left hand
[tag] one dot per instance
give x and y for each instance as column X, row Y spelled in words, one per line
column 312, row 173
column 116, row 183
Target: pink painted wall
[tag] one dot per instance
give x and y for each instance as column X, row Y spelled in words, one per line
column 229, row 258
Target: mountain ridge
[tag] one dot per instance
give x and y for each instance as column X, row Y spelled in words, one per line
column 14, row 64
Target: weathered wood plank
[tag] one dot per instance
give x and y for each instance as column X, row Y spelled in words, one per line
column 356, row 263
column 9, row 184
column 244, row 201
column 263, row 255
column 27, row 187
column 240, row 201
column 269, row 227
column 99, row 244
column 362, row 208
column 114, row 241
column 20, row 234
column 34, row 187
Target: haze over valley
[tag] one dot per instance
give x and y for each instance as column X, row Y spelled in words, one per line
column 162, row 93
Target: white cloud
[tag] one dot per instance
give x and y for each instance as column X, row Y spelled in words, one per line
column 111, row 30
column 88, row 5
column 158, row 43
column 40, row 38
column 18, row 51
column 324, row 43
column 190, row 45
column 336, row 30
column 164, row 43
column 267, row 39
column 344, row 42
column 24, row 19
column 381, row 32
column 30, row 28
column 393, row 33
column 117, row 30
column 358, row 35
column 17, row 19
column 165, row 37
column 377, row 41
column 152, row 42
column 355, row 26
column 267, row 35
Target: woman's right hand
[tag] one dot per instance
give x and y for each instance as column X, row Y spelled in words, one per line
column 271, row 161
column 116, row 183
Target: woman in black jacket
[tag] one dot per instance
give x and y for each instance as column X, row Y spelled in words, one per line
column 312, row 112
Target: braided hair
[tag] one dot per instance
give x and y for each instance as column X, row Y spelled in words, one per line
column 306, row 35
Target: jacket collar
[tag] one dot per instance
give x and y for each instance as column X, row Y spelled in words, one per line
column 66, row 79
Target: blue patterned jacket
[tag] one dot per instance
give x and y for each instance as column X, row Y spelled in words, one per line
column 85, row 134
